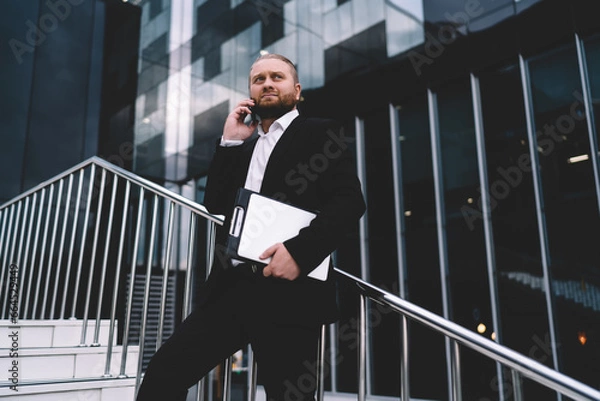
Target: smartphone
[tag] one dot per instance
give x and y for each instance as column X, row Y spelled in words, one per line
column 253, row 116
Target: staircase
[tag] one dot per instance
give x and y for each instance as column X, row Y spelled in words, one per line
column 43, row 360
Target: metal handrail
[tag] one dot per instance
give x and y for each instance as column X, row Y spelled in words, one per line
column 520, row 365
column 525, row 366
column 133, row 178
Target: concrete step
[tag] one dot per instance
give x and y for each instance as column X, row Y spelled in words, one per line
column 51, row 333
column 111, row 389
column 64, row 363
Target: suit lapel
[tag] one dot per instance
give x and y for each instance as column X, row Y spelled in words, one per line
column 284, row 145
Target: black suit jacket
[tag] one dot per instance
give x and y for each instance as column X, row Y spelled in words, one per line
column 310, row 167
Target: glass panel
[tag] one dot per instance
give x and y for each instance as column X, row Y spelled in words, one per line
column 573, row 223
column 427, row 355
column 523, row 313
column 592, row 49
column 347, row 258
column 16, row 70
column 382, row 251
column 469, row 291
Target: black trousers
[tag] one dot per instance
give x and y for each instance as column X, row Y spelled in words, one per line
column 286, row 354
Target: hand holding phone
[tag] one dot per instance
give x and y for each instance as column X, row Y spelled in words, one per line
column 241, row 122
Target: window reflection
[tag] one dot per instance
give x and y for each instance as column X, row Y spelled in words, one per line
column 382, row 248
column 469, row 291
column 427, row 355
column 516, row 243
column 592, row 50
column 570, row 205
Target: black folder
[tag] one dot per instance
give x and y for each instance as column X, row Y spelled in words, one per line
column 259, row 222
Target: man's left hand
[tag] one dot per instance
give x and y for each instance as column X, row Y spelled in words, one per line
column 282, row 265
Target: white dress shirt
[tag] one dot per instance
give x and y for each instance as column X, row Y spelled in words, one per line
column 262, row 151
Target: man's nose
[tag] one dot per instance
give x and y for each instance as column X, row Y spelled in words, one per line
column 268, row 83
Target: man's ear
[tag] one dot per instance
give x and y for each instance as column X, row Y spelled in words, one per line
column 298, row 91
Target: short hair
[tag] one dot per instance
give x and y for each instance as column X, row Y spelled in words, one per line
column 278, row 57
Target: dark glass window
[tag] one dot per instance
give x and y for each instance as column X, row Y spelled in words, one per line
column 570, row 208
column 16, row 70
column 467, row 268
column 347, row 258
column 383, row 266
column 592, row 49
column 522, row 308
column 419, row 232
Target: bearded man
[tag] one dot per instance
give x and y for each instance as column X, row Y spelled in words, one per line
column 277, row 309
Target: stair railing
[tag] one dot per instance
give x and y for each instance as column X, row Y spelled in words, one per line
column 65, row 248
column 82, row 244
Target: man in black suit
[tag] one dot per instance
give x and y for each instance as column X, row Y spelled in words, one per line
column 278, row 309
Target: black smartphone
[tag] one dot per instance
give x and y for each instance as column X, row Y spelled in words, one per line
column 253, row 116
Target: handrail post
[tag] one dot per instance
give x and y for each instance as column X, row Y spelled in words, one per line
column 227, row 379
column 404, row 368
column 111, row 212
column 23, row 268
column 516, row 382
column 252, row 375
column 113, row 307
column 132, row 269
column 456, row 375
column 362, row 349
column 321, row 366
column 26, row 262
column 165, row 278
column 43, row 253
column 49, row 272
column 150, row 256
column 34, row 253
column 86, row 218
column 72, row 244
column 88, row 294
column 61, row 246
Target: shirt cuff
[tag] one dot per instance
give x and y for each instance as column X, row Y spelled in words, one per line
column 230, row 142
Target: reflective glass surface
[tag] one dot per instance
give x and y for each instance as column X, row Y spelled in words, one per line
column 570, row 208
column 592, row 50
column 516, row 244
column 419, row 233
column 467, row 269
column 383, row 269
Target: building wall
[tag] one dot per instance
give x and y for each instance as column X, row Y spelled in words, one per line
column 69, row 78
column 474, row 125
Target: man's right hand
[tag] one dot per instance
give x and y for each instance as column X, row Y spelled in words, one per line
column 235, row 128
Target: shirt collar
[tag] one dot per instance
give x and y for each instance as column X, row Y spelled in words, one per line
column 284, row 121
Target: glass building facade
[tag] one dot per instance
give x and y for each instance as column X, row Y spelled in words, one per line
column 69, row 83
column 474, row 128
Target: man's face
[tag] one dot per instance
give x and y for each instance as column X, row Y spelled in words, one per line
column 273, row 89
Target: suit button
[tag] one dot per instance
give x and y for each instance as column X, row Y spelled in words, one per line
column 254, row 268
